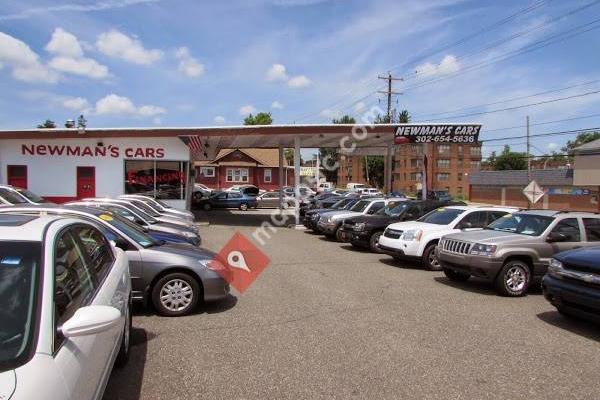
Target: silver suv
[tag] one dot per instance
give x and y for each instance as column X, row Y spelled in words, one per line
column 516, row 249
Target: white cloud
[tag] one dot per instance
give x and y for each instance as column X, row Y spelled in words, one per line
column 360, row 106
column 75, row 103
column 277, row 105
column 448, row 65
column 552, row 146
column 116, row 44
column 188, row 65
column 25, row 63
column 97, row 6
column 331, row 114
column 114, row 104
column 299, row 81
column 69, row 56
column 65, row 44
column 157, row 120
column 277, row 73
column 80, row 66
column 219, row 120
column 247, row 109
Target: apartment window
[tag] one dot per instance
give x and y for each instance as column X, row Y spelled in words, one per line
column 416, row 163
column 267, row 175
column 207, row 172
column 237, row 175
column 443, row 148
column 459, row 163
column 475, row 165
column 460, row 176
column 415, row 176
column 459, row 190
column 443, row 163
column 460, row 151
column 475, row 151
column 442, row 177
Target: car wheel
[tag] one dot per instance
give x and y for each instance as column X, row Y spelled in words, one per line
column 456, row 276
column 374, row 241
column 206, row 206
column 514, row 278
column 243, row 206
column 123, row 355
column 176, row 294
column 430, row 258
column 197, row 196
column 338, row 235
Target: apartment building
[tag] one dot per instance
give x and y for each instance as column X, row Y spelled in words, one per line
column 449, row 166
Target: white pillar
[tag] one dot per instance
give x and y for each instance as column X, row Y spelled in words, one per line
column 297, row 178
column 389, row 168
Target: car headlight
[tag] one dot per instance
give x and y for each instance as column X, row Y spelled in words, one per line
column 555, row 265
column 480, row 249
column 189, row 234
column 360, row 226
column 412, row 234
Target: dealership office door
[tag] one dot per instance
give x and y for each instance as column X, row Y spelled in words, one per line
column 17, row 176
column 86, row 182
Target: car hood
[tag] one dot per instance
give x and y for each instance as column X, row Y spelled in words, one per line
column 372, row 220
column 585, row 259
column 8, row 383
column 426, row 227
column 489, row 236
column 345, row 214
column 185, row 250
column 169, row 227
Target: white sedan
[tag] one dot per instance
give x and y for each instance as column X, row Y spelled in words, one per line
column 65, row 319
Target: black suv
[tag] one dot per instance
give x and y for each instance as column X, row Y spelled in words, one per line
column 323, row 200
column 572, row 283
column 364, row 230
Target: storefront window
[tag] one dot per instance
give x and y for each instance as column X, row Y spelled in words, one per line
column 158, row 179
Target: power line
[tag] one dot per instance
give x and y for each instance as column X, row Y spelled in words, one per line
column 543, row 123
column 559, row 133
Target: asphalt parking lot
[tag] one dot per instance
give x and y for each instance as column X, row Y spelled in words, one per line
column 327, row 321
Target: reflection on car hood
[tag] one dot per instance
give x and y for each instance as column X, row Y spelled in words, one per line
column 585, row 259
column 186, row 250
column 489, row 236
column 374, row 220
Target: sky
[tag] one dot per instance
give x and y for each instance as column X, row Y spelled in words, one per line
column 134, row 63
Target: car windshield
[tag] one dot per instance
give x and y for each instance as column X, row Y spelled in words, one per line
column 441, row 216
column 142, row 214
column 31, row 196
column 12, row 197
column 131, row 230
column 19, row 267
column 340, row 204
column 144, row 207
column 360, row 206
column 160, row 203
column 524, row 224
column 393, row 208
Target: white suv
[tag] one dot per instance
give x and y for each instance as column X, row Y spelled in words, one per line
column 418, row 239
column 65, row 296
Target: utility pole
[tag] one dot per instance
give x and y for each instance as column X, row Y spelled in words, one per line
column 528, row 153
column 389, row 92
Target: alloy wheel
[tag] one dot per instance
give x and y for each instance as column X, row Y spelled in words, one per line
column 516, row 277
column 176, row 295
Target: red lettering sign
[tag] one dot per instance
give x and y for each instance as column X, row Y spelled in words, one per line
column 89, row 151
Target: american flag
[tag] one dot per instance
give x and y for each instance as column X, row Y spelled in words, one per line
column 195, row 144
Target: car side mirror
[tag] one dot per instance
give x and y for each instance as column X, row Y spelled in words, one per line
column 90, row 320
column 554, row 237
column 466, row 225
column 409, row 216
column 120, row 243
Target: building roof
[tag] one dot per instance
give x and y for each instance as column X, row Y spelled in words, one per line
column 593, row 145
column 544, row 177
column 264, row 157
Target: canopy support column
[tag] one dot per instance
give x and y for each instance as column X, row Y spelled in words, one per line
column 280, row 177
column 389, row 168
column 297, row 178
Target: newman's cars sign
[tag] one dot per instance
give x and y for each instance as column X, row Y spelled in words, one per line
column 67, row 150
column 436, row 133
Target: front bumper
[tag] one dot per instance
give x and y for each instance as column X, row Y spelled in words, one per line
column 327, row 228
column 573, row 297
column 215, row 287
column 482, row 267
column 358, row 237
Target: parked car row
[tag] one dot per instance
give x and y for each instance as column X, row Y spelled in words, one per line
column 512, row 248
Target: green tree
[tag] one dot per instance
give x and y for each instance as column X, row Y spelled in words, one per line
column 329, row 156
column 581, row 139
column 48, row 124
column 402, row 117
column 345, row 119
column 375, row 166
column 508, row 160
column 261, row 118
column 288, row 154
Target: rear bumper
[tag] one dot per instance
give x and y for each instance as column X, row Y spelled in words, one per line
column 482, row 267
column 573, row 297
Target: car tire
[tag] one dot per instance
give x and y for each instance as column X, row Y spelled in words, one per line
column 180, row 288
column 338, row 235
column 244, row 207
column 430, row 258
column 206, row 206
column 514, row 279
column 374, row 241
column 197, row 196
column 123, row 355
column 456, row 276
